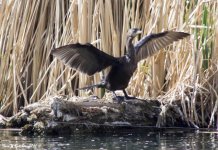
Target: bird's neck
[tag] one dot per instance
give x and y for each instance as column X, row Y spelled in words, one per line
column 129, row 47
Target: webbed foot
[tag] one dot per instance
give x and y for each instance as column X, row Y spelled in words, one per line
column 118, row 99
column 127, row 97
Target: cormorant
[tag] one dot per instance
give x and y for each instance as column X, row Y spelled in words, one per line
column 89, row 59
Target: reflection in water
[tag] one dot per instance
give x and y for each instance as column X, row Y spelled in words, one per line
column 128, row 140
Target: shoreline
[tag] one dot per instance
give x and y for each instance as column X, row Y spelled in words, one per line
column 60, row 115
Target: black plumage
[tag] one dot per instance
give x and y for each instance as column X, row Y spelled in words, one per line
column 89, row 59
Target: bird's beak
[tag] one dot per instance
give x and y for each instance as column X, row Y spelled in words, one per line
column 139, row 32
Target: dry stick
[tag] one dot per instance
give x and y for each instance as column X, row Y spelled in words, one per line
column 6, row 107
column 65, row 85
column 22, row 90
column 76, row 73
column 40, row 82
column 35, row 91
column 25, row 90
column 15, row 109
column 7, row 101
column 215, row 107
column 183, row 102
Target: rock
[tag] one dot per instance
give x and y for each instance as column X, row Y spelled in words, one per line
column 31, row 118
column 65, row 110
column 54, row 128
column 18, row 120
column 59, row 115
column 27, row 129
column 39, row 127
column 3, row 121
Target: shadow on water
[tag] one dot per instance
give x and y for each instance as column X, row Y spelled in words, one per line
column 128, row 140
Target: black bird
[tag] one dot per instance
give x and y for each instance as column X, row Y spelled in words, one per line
column 89, row 59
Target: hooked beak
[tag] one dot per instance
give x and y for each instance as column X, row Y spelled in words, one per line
column 139, row 32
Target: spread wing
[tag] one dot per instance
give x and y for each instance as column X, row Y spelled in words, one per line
column 84, row 57
column 152, row 43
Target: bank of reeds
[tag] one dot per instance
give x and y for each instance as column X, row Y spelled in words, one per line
column 185, row 72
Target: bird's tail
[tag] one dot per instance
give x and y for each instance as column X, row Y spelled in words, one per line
column 100, row 85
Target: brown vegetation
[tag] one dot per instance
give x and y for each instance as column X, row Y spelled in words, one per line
column 186, row 71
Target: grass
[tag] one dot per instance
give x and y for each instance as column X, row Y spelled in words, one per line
column 185, row 72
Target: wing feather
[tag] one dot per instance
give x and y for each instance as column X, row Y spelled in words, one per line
column 84, row 57
column 152, row 43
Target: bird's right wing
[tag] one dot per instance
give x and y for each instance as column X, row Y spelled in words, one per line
column 152, row 43
column 84, row 57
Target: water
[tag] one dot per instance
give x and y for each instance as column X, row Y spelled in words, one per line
column 126, row 140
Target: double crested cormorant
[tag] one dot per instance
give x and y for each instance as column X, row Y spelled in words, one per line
column 89, row 59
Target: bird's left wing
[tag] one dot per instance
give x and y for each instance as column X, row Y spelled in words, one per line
column 152, row 43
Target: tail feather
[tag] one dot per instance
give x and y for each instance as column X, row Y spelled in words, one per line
column 92, row 86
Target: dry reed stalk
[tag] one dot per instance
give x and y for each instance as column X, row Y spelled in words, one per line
column 186, row 70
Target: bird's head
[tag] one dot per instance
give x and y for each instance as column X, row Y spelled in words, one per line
column 133, row 32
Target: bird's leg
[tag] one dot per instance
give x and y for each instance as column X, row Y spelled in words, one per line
column 117, row 98
column 100, row 85
column 127, row 96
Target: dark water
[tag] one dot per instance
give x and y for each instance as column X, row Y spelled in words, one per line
column 127, row 140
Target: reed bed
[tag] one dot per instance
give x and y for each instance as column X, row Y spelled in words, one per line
column 185, row 72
